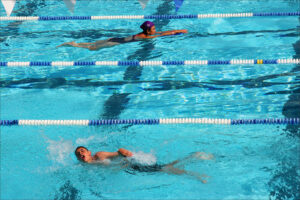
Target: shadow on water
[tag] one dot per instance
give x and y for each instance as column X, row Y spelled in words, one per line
column 291, row 108
column 134, row 72
column 115, row 104
column 259, row 82
column 90, row 34
column 67, row 192
column 52, row 83
column 295, row 33
column 285, row 183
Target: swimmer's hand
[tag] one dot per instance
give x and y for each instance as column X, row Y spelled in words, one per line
column 183, row 31
column 125, row 152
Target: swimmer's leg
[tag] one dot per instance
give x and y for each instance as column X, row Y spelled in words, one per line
column 203, row 155
column 91, row 46
column 170, row 169
column 198, row 155
column 74, row 44
column 102, row 44
column 200, row 177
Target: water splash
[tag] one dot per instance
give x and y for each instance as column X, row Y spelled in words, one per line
column 143, row 158
column 59, row 151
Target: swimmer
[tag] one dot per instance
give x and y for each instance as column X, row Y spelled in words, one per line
column 84, row 155
column 149, row 32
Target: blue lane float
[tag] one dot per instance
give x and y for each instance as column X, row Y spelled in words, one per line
column 54, row 18
column 100, row 122
column 9, row 122
column 171, row 16
column 3, row 63
column 172, row 62
column 277, row 14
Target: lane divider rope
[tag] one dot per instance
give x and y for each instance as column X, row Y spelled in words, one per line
column 109, row 17
column 267, row 121
column 145, row 63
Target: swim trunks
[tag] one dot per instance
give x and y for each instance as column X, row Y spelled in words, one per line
column 122, row 40
column 146, row 168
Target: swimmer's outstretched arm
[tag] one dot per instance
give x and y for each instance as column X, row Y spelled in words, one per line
column 162, row 33
column 172, row 32
column 105, row 155
column 125, row 152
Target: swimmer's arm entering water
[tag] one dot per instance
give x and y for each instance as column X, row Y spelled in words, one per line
column 125, row 152
column 106, row 155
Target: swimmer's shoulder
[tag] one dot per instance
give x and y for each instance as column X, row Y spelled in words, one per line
column 139, row 36
column 100, row 155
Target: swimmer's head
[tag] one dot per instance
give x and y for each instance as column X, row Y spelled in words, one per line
column 83, row 154
column 148, row 28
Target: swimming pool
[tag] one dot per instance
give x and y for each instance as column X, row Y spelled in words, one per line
column 251, row 162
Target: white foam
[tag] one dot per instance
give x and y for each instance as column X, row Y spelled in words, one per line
column 104, row 162
column 143, row 158
column 220, row 25
column 86, row 141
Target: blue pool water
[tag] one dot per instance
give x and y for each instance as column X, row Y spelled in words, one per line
column 251, row 162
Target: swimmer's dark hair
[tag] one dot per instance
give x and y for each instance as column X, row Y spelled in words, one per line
column 145, row 31
column 77, row 153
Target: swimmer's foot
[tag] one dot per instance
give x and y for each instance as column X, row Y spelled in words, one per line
column 202, row 178
column 203, row 156
column 68, row 44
